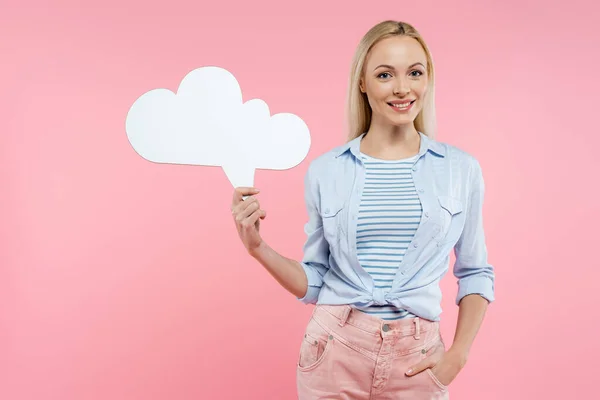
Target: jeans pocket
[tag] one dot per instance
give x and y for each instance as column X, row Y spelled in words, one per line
column 436, row 380
column 316, row 344
column 427, row 351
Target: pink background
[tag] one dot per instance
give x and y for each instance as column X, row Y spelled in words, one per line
column 124, row 279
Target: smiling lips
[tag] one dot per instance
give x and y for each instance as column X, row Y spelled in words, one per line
column 401, row 105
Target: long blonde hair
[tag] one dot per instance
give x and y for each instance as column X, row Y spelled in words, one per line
column 357, row 105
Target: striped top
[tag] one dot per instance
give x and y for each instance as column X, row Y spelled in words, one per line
column 388, row 217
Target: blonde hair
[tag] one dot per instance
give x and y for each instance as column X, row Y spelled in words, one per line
column 357, row 105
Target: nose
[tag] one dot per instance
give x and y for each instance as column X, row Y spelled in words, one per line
column 402, row 87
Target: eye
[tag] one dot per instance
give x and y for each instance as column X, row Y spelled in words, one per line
column 384, row 73
column 417, row 71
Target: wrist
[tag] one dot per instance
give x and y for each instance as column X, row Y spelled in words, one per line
column 258, row 250
column 459, row 354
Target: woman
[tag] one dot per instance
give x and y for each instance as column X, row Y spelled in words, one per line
column 385, row 209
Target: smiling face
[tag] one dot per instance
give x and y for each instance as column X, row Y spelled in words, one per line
column 395, row 80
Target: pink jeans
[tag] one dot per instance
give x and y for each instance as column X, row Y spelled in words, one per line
column 347, row 354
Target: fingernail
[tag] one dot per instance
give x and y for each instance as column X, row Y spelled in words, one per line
column 409, row 371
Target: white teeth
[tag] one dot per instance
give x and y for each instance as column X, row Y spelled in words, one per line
column 404, row 105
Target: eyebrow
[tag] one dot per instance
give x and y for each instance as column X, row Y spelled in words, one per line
column 390, row 67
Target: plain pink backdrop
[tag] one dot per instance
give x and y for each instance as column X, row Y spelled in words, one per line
column 124, row 279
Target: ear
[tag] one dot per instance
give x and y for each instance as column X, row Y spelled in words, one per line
column 361, row 85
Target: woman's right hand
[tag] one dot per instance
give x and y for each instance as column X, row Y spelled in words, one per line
column 247, row 215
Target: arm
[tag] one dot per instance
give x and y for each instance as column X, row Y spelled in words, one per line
column 475, row 287
column 302, row 279
column 470, row 316
column 475, row 275
column 287, row 272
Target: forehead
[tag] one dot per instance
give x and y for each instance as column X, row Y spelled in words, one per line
column 400, row 51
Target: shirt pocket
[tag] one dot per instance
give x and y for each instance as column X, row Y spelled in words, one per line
column 450, row 218
column 331, row 213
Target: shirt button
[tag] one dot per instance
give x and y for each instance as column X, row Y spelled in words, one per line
column 426, row 214
column 415, row 245
column 385, row 328
column 414, row 168
column 327, row 211
column 421, row 190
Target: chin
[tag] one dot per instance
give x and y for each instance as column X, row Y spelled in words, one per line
column 402, row 120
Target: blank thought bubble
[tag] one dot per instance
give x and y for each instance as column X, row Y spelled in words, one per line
column 207, row 123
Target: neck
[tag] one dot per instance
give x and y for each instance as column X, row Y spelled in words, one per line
column 391, row 143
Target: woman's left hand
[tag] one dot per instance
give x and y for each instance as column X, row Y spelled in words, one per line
column 445, row 365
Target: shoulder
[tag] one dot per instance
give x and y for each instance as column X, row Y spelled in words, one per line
column 464, row 165
column 325, row 162
column 459, row 158
column 323, row 172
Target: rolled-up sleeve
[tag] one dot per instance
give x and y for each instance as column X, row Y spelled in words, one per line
column 475, row 275
column 315, row 260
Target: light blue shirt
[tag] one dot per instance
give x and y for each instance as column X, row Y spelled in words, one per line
column 450, row 187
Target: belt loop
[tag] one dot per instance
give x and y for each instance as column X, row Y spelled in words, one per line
column 344, row 316
column 417, row 328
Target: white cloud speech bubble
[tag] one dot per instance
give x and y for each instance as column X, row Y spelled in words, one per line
column 207, row 123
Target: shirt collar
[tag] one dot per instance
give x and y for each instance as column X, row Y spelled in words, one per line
column 427, row 144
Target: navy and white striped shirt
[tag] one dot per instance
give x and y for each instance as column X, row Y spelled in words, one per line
column 388, row 217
